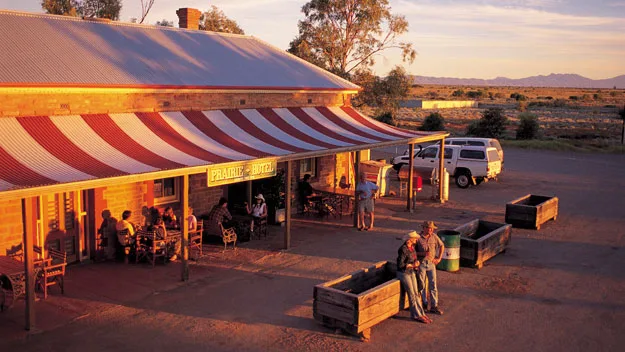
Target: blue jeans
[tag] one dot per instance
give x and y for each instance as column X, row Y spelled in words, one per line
column 427, row 278
column 409, row 283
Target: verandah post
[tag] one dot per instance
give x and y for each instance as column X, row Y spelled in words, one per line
column 287, row 205
column 28, row 221
column 441, row 170
column 410, row 175
column 184, row 245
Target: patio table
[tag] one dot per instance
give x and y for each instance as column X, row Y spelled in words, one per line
column 337, row 201
column 13, row 280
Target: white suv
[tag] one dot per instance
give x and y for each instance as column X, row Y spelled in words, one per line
column 467, row 164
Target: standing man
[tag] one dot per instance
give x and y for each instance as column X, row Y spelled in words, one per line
column 430, row 251
column 365, row 191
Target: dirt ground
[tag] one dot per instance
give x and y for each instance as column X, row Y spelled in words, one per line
column 558, row 289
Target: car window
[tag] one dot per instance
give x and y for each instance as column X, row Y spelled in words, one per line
column 457, row 142
column 472, row 154
column 449, row 153
column 429, row 153
column 476, row 143
column 495, row 144
column 493, row 155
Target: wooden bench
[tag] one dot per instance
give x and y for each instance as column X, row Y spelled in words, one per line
column 52, row 271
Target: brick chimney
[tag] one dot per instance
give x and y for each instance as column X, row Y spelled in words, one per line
column 189, row 18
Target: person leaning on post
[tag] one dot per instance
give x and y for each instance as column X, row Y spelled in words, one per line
column 430, row 251
column 407, row 264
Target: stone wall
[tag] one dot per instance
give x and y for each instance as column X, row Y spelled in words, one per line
column 29, row 102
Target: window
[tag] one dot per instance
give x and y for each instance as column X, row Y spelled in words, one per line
column 475, row 143
column 307, row 166
column 449, row 153
column 166, row 190
column 493, row 155
column 472, row 154
column 457, row 142
column 429, row 153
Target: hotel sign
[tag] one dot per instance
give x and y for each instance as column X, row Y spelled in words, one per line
column 245, row 171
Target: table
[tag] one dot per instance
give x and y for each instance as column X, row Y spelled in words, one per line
column 13, row 279
column 336, row 201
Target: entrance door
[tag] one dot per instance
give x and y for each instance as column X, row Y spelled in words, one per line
column 65, row 223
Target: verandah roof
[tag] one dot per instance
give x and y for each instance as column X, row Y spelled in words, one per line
column 43, row 152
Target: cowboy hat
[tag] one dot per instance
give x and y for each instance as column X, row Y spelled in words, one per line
column 260, row 196
column 411, row 234
column 429, row 224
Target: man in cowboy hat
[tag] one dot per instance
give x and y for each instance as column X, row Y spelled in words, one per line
column 430, row 251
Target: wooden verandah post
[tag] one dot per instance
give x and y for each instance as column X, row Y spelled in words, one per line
column 30, row 230
column 357, row 177
column 441, row 170
column 287, row 205
column 410, row 174
column 184, row 245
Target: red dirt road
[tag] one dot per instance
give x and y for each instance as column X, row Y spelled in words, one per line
column 558, row 289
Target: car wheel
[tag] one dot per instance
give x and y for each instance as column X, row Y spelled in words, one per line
column 463, row 180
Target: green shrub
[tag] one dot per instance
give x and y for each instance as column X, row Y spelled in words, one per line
column 491, row 125
column 573, row 97
column 518, row 97
column 457, row 93
column 387, row 118
column 528, row 127
column 475, row 94
column 433, row 122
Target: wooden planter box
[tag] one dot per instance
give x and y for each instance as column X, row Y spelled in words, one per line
column 358, row 301
column 481, row 240
column 531, row 211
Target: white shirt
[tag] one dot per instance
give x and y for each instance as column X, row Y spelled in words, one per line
column 192, row 222
column 258, row 210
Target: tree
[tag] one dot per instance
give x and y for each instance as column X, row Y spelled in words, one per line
column 101, row 9
column 60, row 7
column 88, row 8
column 216, row 21
column 383, row 93
column 165, row 23
column 433, row 122
column 491, row 125
column 344, row 35
column 146, row 6
column 528, row 126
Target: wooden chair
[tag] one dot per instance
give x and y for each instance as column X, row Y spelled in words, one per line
column 228, row 236
column 260, row 227
column 150, row 247
column 52, row 271
column 123, row 242
column 195, row 239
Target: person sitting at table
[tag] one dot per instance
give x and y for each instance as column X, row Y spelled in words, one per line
column 125, row 224
column 169, row 218
column 160, row 233
column 192, row 220
column 219, row 214
column 308, row 197
column 257, row 211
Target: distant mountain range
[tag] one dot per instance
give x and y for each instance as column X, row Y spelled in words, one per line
column 556, row 80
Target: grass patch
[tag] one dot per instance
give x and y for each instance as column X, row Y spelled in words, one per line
column 580, row 145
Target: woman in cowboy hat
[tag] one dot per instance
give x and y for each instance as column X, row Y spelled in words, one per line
column 257, row 211
column 407, row 265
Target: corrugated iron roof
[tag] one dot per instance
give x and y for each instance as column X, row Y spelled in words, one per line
column 37, row 49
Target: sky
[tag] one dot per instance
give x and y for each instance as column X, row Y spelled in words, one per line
column 453, row 38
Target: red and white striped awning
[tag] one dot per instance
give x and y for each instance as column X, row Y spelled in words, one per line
column 48, row 150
